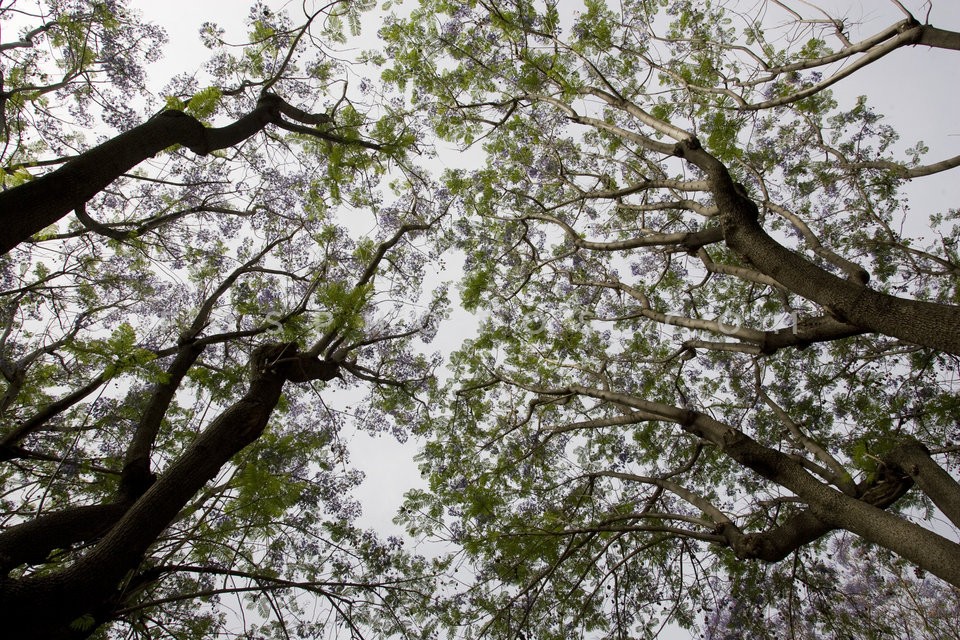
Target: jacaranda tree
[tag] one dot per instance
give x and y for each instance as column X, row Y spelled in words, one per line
column 717, row 380
column 188, row 290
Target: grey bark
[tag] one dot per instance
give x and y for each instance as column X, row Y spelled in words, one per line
column 940, row 38
column 926, row 549
column 863, row 516
column 924, row 323
column 914, row 459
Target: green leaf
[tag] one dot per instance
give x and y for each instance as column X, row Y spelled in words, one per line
column 84, row 623
column 204, row 103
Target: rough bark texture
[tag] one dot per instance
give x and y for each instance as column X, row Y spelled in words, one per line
column 43, row 606
column 923, row 323
column 864, row 515
column 926, row 549
column 39, row 203
column 802, row 528
column 914, row 459
column 32, row 541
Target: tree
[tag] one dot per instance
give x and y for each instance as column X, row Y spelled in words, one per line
column 718, row 343
column 189, row 314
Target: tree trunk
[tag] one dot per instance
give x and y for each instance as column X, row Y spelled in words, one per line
column 914, row 459
column 862, row 516
column 924, row 323
column 926, row 549
column 33, row 206
column 44, row 606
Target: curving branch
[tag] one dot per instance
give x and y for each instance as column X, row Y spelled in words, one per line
column 688, row 240
column 924, row 323
column 864, row 516
column 771, row 544
column 907, row 32
column 854, row 272
column 9, row 441
column 31, row 207
column 31, row 542
column 329, row 340
column 839, row 476
column 89, row 585
column 903, row 171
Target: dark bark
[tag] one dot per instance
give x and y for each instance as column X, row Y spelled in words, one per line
column 696, row 240
column 43, row 606
column 779, row 542
column 32, row 541
column 136, row 467
column 8, row 449
column 804, row 527
column 914, row 459
column 926, row 549
column 33, row 206
column 923, row 323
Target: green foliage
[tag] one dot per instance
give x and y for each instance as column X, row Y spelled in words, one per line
column 16, row 178
column 204, row 103
column 83, row 623
column 574, row 471
column 135, row 339
column 602, row 324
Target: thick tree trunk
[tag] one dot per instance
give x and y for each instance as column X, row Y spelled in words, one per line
column 862, row 516
column 31, row 207
column 802, row 528
column 924, row 323
column 926, row 549
column 43, row 606
column 933, row 37
column 914, row 460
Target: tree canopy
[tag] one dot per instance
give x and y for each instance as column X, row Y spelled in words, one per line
column 714, row 384
column 719, row 353
column 242, row 253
